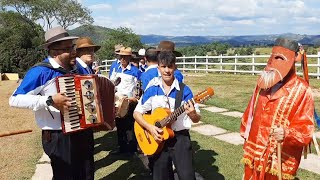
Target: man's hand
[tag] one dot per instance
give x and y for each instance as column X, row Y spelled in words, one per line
column 189, row 108
column 191, row 111
column 156, row 133
column 278, row 133
column 61, row 102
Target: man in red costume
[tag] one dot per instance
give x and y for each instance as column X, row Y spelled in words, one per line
column 280, row 113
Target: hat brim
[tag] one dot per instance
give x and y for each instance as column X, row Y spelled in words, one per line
column 46, row 45
column 96, row 47
column 176, row 53
column 124, row 53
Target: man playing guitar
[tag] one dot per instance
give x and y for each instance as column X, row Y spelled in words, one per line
column 163, row 94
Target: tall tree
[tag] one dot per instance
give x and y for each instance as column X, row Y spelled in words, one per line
column 123, row 36
column 19, row 43
column 65, row 12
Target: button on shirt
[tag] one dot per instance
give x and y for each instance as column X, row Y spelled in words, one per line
column 33, row 92
column 154, row 97
column 129, row 79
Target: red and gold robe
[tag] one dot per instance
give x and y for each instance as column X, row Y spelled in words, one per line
column 292, row 107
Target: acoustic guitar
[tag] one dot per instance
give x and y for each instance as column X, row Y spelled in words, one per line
column 163, row 118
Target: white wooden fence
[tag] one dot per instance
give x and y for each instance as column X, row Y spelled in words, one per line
column 252, row 64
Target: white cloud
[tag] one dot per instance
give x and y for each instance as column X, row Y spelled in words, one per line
column 207, row 17
column 100, row 7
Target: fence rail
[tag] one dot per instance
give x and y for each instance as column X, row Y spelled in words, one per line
column 252, row 64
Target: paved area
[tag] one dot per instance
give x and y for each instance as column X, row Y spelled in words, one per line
column 311, row 163
column 44, row 171
column 209, row 130
column 233, row 114
column 215, row 109
column 232, row 138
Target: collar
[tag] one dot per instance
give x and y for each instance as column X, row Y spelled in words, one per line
column 83, row 64
column 53, row 62
column 128, row 67
column 152, row 66
column 175, row 85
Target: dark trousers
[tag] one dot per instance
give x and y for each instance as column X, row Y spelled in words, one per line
column 126, row 138
column 71, row 155
column 179, row 151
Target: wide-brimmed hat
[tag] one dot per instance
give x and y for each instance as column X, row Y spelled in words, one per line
column 86, row 42
column 168, row 46
column 56, row 34
column 117, row 47
column 125, row 51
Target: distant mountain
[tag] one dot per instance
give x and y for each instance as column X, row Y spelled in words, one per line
column 98, row 34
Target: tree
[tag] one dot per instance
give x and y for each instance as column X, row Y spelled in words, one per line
column 19, row 43
column 65, row 12
column 72, row 12
column 122, row 35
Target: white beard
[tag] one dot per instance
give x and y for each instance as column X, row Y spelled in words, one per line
column 269, row 76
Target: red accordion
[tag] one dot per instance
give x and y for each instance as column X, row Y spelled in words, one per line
column 92, row 102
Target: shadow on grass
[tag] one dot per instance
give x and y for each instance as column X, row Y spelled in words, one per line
column 204, row 162
column 133, row 168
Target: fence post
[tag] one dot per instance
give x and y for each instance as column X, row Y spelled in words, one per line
column 207, row 63
column 220, row 63
column 235, row 64
column 184, row 63
column 195, row 63
column 253, row 68
column 318, row 66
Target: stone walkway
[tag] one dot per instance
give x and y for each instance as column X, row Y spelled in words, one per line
column 44, row 171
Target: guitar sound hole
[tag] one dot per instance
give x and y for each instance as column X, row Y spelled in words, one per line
column 158, row 124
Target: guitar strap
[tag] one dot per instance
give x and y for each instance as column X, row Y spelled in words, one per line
column 179, row 96
column 60, row 69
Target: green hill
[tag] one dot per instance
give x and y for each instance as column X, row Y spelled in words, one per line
column 96, row 33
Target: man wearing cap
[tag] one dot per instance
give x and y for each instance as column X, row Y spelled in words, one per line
column 116, row 62
column 151, row 74
column 85, row 55
column 130, row 75
column 278, row 121
column 71, row 155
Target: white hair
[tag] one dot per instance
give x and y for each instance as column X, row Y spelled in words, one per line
column 268, row 76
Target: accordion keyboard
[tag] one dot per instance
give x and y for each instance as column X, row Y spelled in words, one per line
column 72, row 116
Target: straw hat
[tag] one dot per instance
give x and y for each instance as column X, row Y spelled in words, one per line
column 125, row 51
column 86, row 42
column 56, row 34
column 168, row 46
column 117, row 47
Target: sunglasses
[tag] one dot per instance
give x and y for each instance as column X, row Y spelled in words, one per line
column 66, row 49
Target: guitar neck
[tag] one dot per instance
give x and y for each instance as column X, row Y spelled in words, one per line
column 174, row 115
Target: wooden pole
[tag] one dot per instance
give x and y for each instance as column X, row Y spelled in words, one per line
column 9, row 133
column 279, row 161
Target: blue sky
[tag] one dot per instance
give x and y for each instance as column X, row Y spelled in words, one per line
column 208, row 17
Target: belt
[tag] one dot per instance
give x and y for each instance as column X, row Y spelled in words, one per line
column 182, row 132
